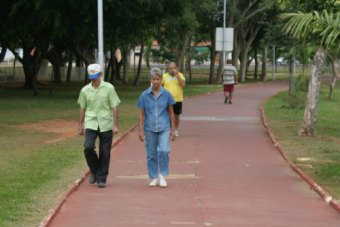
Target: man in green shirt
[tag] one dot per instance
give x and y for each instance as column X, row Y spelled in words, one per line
column 98, row 117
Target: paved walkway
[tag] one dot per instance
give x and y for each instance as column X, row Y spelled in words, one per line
column 225, row 173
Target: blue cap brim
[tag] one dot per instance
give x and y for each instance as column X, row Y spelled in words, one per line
column 94, row 76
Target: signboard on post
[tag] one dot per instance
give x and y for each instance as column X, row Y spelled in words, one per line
column 228, row 39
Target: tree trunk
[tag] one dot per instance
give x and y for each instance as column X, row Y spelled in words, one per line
column 43, row 70
column 212, row 52
column 78, row 68
column 244, row 62
column 236, row 55
column 109, row 67
column 86, row 81
column 256, row 70
column 188, row 63
column 30, row 61
column 14, row 62
column 220, row 68
column 273, row 63
column 56, row 72
column 87, row 56
column 139, row 69
column 113, row 70
column 333, row 79
column 147, row 55
column 118, row 66
column 249, row 60
column 125, row 57
column 264, row 64
column 303, row 69
column 3, row 53
column 30, row 72
column 69, row 68
column 212, row 66
column 246, row 35
column 292, row 76
column 331, row 86
column 236, row 49
column 310, row 114
column 31, row 64
column 180, row 56
column 55, row 57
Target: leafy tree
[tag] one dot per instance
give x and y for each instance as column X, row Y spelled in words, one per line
column 22, row 30
column 248, row 17
column 322, row 29
column 208, row 18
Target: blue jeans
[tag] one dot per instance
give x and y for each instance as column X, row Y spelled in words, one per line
column 157, row 145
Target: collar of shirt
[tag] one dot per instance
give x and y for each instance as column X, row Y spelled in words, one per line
column 96, row 89
column 161, row 91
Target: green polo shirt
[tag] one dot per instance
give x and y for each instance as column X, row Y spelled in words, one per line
column 98, row 104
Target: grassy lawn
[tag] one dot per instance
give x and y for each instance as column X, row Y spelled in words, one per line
column 321, row 154
column 34, row 173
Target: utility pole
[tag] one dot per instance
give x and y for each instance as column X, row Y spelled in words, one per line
column 273, row 65
column 224, row 16
column 101, row 37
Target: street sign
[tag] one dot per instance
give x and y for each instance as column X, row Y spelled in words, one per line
column 228, row 39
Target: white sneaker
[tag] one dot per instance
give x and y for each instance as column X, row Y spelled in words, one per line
column 162, row 181
column 176, row 133
column 153, row 183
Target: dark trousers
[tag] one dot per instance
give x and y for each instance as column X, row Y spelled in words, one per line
column 99, row 166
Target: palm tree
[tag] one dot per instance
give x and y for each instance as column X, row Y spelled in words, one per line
column 324, row 31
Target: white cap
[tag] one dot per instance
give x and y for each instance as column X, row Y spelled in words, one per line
column 94, row 71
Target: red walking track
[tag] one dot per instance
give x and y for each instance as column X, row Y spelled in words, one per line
column 224, row 169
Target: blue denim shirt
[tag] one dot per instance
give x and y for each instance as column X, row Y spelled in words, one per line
column 156, row 115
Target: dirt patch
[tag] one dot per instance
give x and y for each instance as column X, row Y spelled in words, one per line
column 64, row 129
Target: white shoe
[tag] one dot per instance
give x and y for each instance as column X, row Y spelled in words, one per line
column 162, row 181
column 176, row 133
column 153, row 183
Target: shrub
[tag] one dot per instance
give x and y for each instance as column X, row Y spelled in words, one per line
column 301, row 83
column 297, row 99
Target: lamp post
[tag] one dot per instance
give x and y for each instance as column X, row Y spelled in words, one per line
column 273, row 64
column 100, row 36
column 224, row 16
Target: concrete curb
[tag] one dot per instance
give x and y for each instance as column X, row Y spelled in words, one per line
column 54, row 211
column 317, row 188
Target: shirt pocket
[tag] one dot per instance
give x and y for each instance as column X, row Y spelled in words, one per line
column 102, row 100
column 162, row 104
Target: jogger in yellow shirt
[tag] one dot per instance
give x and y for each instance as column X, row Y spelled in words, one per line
column 174, row 82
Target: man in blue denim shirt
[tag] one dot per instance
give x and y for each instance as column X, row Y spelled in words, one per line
column 156, row 127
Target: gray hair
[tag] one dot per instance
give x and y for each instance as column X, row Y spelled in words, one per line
column 172, row 63
column 155, row 72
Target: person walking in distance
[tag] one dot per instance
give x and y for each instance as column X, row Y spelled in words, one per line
column 229, row 80
column 98, row 118
column 174, row 82
column 156, row 127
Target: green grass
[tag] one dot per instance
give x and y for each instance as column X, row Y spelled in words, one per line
column 33, row 173
column 323, row 149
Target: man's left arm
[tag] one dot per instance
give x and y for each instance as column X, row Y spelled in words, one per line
column 114, row 102
column 115, row 120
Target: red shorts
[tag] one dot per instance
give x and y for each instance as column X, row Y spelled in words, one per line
column 228, row 87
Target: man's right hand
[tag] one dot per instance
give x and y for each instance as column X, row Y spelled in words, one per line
column 81, row 130
column 141, row 136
